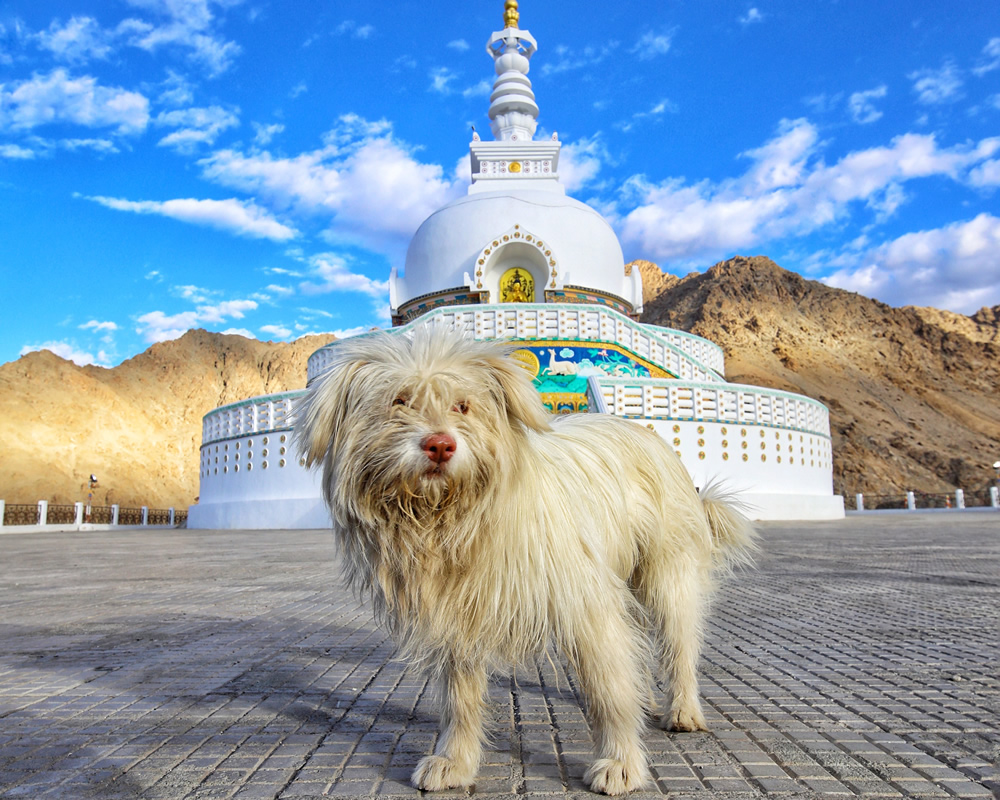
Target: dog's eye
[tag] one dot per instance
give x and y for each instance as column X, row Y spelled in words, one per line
column 461, row 407
column 400, row 401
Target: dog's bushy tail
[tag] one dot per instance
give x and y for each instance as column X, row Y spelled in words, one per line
column 733, row 535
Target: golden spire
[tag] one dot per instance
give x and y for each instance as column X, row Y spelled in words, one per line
column 510, row 15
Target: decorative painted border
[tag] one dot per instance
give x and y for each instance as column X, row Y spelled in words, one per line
column 580, row 295
column 458, row 296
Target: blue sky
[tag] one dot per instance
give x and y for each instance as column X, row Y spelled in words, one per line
column 258, row 167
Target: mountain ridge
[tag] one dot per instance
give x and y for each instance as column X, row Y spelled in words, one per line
column 912, row 392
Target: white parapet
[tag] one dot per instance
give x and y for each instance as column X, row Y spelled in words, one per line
column 687, row 356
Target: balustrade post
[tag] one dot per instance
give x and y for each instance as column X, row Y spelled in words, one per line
column 911, row 501
column 859, row 501
column 171, row 518
column 78, row 509
column 994, row 500
column 145, row 515
column 3, row 508
column 959, row 498
column 43, row 512
column 114, row 513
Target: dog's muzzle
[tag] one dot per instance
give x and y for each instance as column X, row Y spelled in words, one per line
column 439, row 447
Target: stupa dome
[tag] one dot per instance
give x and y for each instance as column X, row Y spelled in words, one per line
column 517, row 236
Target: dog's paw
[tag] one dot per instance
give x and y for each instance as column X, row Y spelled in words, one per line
column 684, row 720
column 434, row 773
column 614, row 777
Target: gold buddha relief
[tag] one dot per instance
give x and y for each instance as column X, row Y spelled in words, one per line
column 517, row 286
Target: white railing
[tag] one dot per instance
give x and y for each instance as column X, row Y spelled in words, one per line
column 689, row 357
column 656, row 398
column 256, row 415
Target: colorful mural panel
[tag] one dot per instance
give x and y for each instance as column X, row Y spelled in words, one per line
column 560, row 371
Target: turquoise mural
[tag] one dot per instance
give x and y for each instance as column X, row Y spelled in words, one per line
column 561, row 370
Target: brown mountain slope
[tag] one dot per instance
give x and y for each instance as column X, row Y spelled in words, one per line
column 914, row 393
column 137, row 426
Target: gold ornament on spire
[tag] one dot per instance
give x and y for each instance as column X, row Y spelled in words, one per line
column 510, row 15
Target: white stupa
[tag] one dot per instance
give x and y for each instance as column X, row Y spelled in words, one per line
column 519, row 260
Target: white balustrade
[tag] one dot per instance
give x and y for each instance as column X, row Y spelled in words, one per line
column 689, row 357
column 654, row 398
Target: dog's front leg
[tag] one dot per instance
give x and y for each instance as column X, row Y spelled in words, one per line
column 608, row 657
column 456, row 757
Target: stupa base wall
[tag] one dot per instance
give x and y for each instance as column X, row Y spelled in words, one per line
column 274, row 514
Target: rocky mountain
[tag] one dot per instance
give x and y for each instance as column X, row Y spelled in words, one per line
column 913, row 392
column 136, row 426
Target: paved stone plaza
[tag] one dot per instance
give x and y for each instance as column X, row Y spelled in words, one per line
column 860, row 658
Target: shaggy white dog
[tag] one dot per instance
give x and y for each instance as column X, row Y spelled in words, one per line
column 483, row 527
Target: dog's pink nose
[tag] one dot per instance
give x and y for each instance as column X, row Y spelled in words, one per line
column 439, row 447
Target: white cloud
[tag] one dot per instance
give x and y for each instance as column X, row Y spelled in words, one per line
column 991, row 58
column 277, row 331
column 986, row 174
column 952, row 267
column 238, row 332
column 580, row 161
column 67, row 351
column 458, row 44
column 78, row 41
column 441, row 77
column 99, row 326
column 571, row 58
column 241, row 217
column 369, row 181
column 195, row 126
column 14, row 151
column 351, row 28
column 157, row 326
column 57, row 98
column 752, row 15
column 331, row 273
column 861, row 107
column 265, row 133
column 187, row 25
column 481, row 89
column 788, row 190
column 937, row 86
column 652, row 44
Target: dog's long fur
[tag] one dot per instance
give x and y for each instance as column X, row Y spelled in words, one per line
column 586, row 529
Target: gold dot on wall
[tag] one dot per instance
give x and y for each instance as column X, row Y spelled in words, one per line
column 746, row 457
column 723, row 430
column 763, row 457
column 743, row 431
column 677, row 428
column 725, row 443
column 677, row 442
column 701, row 429
column 701, row 455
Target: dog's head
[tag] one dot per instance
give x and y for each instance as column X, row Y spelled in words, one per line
column 411, row 422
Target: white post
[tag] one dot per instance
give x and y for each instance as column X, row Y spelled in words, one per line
column 911, row 501
column 859, row 500
column 114, row 513
column 78, row 508
column 959, row 498
column 43, row 512
column 145, row 515
column 994, row 500
column 3, row 506
column 171, row 517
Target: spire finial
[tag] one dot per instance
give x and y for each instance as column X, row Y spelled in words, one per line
column 510, row 14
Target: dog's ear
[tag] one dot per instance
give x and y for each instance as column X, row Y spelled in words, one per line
column 320, row 416
column 520, row 396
